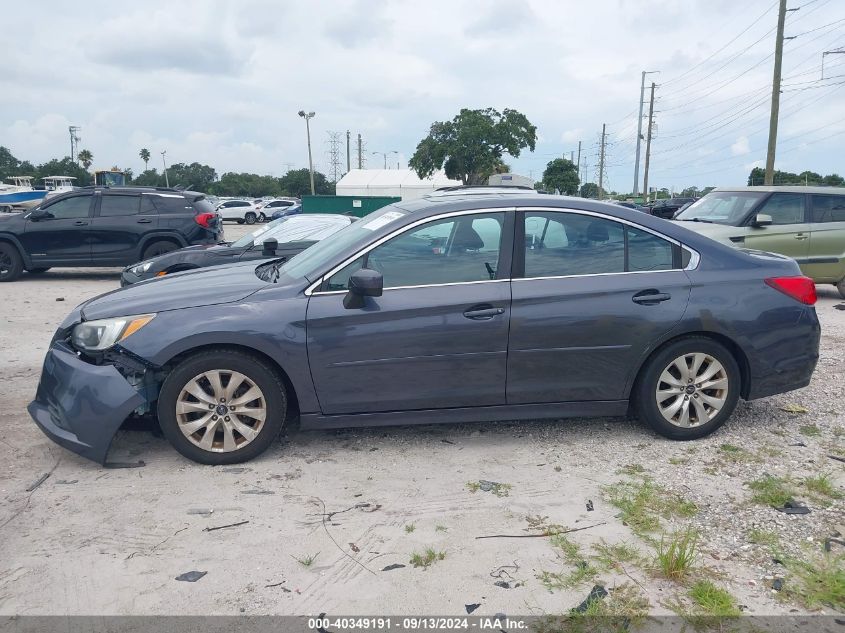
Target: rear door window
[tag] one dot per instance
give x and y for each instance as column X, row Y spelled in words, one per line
column 114, row 205
column 164, row 204
column 828, row 209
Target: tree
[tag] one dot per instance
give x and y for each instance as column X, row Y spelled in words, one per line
column 589, row 190
column 86, row 158
column 297, row 182
column 470, row 146
column 195, row 176
column 757, row 175
column 145, row 156
column 561, row 174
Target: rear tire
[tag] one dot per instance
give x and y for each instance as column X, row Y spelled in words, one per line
column 841, row 288
column 158, row 248
column 262, row 218
column 11, row 264
column 688, row 389
column 193, row 403
column 37, row 271
column 250, row 218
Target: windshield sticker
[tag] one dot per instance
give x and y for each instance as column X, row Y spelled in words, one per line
column 382, row 220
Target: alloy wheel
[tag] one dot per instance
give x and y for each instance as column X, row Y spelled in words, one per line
column 692, row 390
column 221, row 410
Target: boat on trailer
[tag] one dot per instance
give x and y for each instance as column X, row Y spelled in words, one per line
column 58, row 184
column 19, row 195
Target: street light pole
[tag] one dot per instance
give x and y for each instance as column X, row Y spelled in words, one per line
column 385, row 154
column 308, row 116
column 166, row 178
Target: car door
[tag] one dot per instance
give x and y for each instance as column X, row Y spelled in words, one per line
column 826, row 254
column 590, row 296
column 789, row 232
column 118, row 226
column 436, row 338
column 63, row 235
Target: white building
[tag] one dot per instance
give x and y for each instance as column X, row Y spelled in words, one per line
column 500, row 180
column 401, row 183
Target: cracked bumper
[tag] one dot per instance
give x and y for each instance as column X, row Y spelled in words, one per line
column 79, row 405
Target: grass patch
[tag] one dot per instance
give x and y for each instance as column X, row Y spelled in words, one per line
column 567, row 580
column 676, row 555
column 714, row 601
column 736, row 454
column 571, row 552
column 679, row 461
column 822, row 486
column 611, row 556
column 819, row 581
column 440, row 528
column 769, row 538
column 631, row 469
column 498, row 489
column 306, row 561
column 771, row 491
column 427, row 558
column 810, row 430
column 410, row 527
column 625, row 608
column 642, row 504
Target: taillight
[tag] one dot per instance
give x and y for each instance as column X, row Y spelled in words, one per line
column 799, row 288
column 204, row 219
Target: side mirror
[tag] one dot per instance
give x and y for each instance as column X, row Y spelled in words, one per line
column 269, row 246
column 38, row 214
column 762, row 220
column 363, row 283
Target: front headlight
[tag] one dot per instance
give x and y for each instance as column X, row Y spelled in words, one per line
column 96, row 336
column 141, row 268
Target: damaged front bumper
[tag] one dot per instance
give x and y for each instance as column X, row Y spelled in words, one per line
column 80, row 405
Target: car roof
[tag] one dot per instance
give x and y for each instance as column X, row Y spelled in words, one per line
column 838, row 191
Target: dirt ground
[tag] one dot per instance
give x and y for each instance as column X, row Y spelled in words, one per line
column 322, row 514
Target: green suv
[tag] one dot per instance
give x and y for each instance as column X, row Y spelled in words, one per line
column 805, row 223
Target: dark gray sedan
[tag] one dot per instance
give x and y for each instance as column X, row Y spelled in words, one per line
column 442, row 310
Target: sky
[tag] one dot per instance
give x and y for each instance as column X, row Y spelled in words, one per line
column 221, row 82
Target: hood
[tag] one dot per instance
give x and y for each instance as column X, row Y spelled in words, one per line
column 189, row 289
column 719, row 232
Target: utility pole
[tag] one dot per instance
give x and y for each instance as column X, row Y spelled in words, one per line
column 640, row 131
column 648, row 141
column 601, row 161
column 308, row 116
column 385, row 154
column 360, row 154
column 773, row 119
column 572, row 156
column 348, row 162
column 166, row 177
column 74, row 141
column 334, row 155
column 578, row 166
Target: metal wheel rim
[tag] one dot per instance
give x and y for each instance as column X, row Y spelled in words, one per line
column 221, row 410
column 692, row 390
column 250, row 218
column 262, row 218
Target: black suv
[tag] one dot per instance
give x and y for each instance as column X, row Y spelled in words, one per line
column 105, row 226
column 666, row 208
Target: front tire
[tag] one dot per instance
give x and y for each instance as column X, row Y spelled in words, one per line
column 222, row 407
column 841, row 288
column 688, row 389
column 158, row 248
column 11, row 264
column 250, row 218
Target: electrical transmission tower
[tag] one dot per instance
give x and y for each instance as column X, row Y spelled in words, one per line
column 74, row 141
column 335, row 165
column 361, row 148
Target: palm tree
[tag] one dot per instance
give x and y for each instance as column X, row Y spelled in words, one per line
column 86, row 157
column 145, row 156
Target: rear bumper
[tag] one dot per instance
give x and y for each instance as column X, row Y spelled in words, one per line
column 79, row 405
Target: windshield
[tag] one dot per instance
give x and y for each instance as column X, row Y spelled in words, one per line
column 722, row 207
column 298, row 228
column 313, row 261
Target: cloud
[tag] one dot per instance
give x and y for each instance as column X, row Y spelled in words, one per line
column 570, row 136
column 503, row 16
column 741, row 146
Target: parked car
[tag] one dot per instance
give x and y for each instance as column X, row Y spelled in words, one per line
column 666, row 208
column 104, row 226
column 292, row 235
column 632, row 205
column 269, row 208
column 282, row 211
column 239, row 210
column 804, row 223
column 425, row 312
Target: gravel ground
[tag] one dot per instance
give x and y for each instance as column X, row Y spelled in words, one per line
column 95, row 541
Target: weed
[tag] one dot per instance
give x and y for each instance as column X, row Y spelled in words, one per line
column 631, row 469
column 769, row 538
column 771, row 491
column 498, row 489
column 730, row 448
column 643, row 503
column 427, row 558
column 570, row 550
column 558, row 469
column 676, row 556
column 736, row 454
column 582, row 572
column 713, row 601
column 820, row 581
column 410, row 527
column 610, row 556
column 822, row 485
column 440, row 528
column 678, row 461
column 623, row 609
column 810, row 430
column 306, row 561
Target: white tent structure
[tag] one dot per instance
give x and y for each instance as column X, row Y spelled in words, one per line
column 401, row 183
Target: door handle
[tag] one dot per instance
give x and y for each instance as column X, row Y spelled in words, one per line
column 483, row 312
column 144, row 221
column 80, row 223
column 801, row 236
column 650, row 297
